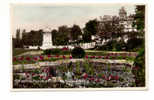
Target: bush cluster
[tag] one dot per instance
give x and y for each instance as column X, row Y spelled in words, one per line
column 51, row 51
column 78, row 52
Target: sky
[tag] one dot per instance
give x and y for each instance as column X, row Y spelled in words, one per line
column 39, row 16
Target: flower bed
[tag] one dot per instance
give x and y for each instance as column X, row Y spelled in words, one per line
column 74, row 75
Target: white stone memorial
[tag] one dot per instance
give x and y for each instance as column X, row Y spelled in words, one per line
column 47, row 40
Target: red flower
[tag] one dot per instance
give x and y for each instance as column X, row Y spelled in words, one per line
column 64, row 57
column 21, row 58
column 135, row 68
column 33, row 74
column 99, row 57
column 92, row 57
column 91, row 79
column 107, row 57
column 41, row 57
column 14, row 59
column 85, row 76
column 116, row 77
column 64, row 48
column 27, row 75
column 70, row 57
column 107, row 78
column 97, row 80
column 28, row 58
column 86, row 56
column 57, row 56
column 112, row 77
column 50, row 76
column 47, row 78
column 35, row 58
column 49, row 56
column 103, row 76
column 41, row 76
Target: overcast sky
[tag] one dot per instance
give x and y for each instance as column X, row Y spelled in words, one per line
column 35, row 16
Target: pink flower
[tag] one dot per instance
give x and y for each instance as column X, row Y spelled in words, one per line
column 41, row 57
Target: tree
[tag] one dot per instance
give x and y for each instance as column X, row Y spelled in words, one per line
column 139, row 19
column 33, row 37
column 54, row 36
column 140, row 59
column 75, row 32
column 86, row 36
column 110, row 29
column 92, row 26
column 62, row 36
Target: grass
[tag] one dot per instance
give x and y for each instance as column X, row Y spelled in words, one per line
column 18, row 51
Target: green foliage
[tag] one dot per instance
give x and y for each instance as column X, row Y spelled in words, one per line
column 33, row 38
column 91, row 26
column 75, row 32
column 140, row 71
column 61, row 36
column 140, row 18
column 56, row 51
column 134, row 43
column 78, row 67
column 47, row 52
column 78, row 52
column 86, row 65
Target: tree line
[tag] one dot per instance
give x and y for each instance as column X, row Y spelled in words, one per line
column 110, row 31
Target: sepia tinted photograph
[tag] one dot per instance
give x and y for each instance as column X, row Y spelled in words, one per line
column 78, row 46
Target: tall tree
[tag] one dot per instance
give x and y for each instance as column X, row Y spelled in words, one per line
column 63, row 35
column 75, row 32
column 54, row 36
column 140, row 59
column 139, row 19
column 92, row 26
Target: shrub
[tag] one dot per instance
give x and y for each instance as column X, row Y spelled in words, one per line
column 47, row 52
column 51, row 51
column 134, row 43
column 78, row 52
column 140, row 71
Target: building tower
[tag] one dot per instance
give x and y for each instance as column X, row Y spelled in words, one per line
column 122, row 13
